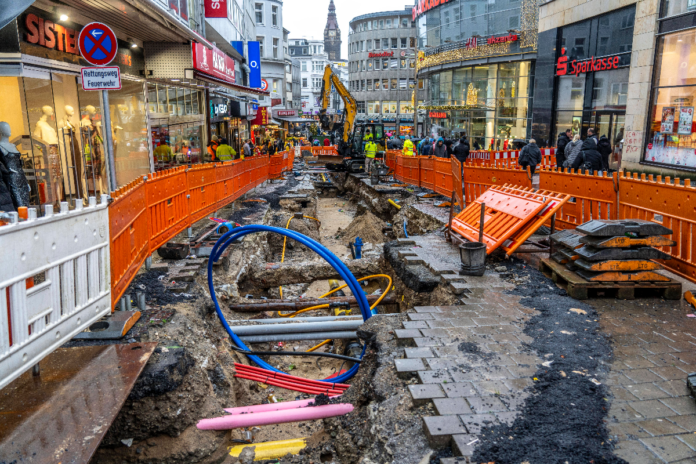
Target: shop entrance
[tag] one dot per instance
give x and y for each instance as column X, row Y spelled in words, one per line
column 611, row 124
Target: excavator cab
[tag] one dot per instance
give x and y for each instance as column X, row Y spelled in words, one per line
column 362, row 133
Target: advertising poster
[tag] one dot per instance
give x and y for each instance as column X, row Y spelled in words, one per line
column 686, row 119
column 667, row 126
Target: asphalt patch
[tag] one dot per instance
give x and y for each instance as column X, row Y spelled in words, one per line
column 564, row 418
column 155, row 291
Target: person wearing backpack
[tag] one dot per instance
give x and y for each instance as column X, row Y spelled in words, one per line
column 572, row 150
column 589, row 159
column 530, row 156
column 604, row 149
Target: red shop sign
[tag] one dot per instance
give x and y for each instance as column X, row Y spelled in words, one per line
column 261, row 117
column 213, row 62
column 584, row 66
column 424, row 5
column 438, row 115
column 380, row 55
column 215, row 8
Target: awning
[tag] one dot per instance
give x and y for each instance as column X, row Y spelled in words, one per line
column 300, row 120
column 220, row 82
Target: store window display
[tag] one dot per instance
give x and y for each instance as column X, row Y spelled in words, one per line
column 14, row 182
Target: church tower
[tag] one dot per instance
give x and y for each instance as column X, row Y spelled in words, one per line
column 332, row 35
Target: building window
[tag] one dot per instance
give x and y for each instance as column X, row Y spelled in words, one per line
column 361, row 107
column 388, row 23
column 304, row 81
column 369, row 84
column 275, row 48
column 412, row 64
column 369, row 25
column 412, row 42
column 385, row 63
column 305, row 50
column 275, row 85
column 259, row 14
column 363, row 65
column 385, row 44
column 375, row 24
column 385, row 84
column 405, row 107
column 381, row 24
column 421, row 84
column 411, row 84
column 402, row 63
column 389, row 107
column 404, row 41
column 292, row 51
column 394, row 63
column 304, row 66
column 377, row 82
column 261, row 40
column 373, row 107
column 402, row 84
column 394, row 43
column 369, row 45
column 514, row 22
column 362, row 85
column 404, row 22
column 394, row 83
column 369, row 65
column 378, row 42
column 274, row 16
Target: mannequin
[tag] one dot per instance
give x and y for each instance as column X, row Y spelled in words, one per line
column 71, row 148
column 92, row 149
column 43, row 129
column 11, row 167
column 46, row 135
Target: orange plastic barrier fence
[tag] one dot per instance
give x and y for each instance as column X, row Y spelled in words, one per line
column 670, row 204
column 507, row 210
column 427, row 172
column 390, row 159
column 399, row 169
column 411, row 170
column 323, row 151
column 594, row 195
column 277, row 166
column 458, row 181
column 443, row 176
column 149, row 211
column 478, row 179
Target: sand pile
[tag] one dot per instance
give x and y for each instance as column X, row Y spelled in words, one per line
column 367, row 226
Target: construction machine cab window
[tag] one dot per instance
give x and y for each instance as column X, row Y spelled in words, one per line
column 368, row 132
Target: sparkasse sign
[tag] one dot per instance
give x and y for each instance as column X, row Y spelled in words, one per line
column 584, row 66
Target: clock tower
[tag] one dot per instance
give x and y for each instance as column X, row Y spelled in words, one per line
column 332, row 35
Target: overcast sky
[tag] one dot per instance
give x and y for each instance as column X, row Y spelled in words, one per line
column 308, row 18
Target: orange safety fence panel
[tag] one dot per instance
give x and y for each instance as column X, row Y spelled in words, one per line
column 457, row 181
column 670, row 204
column 478, row 179
column 593, row 195
column 224, row 176
column 390, row 159
column 128, row 229
column 245, row 174
column 399, row 171
column 411, row 170
column 443, row 176
column 505, row 213
column 324, row 151
column 167, row 206
column 555, row 203
column 427, row 172
column 201, row 186
column 275, row 169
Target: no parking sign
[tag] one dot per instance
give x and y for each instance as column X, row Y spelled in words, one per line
column 98, row 46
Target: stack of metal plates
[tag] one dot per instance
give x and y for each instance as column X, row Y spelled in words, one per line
column 614, row 251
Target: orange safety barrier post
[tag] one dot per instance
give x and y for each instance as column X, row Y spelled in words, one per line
column 128, row 229
column 427, row 172
column 390, row 159
column 458, row 181
column 478, row 179
column 201, row 186
column 167, row 206
column 506, row 212
column 670, row 204
column 225, row 183
column 399, row 171
column 557, row 200
column 443, row 177
column 594, row 195
column 411, row 170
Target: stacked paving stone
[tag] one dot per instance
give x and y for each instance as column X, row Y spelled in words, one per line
column 614, row 251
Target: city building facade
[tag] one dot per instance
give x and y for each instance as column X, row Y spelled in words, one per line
column 477, row 59
column 382, row 64
column 313, row 60
column 268, row 15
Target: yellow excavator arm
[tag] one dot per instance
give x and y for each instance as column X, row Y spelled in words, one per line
column 351, row 107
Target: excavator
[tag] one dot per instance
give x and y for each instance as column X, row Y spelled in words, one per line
column 351, row 136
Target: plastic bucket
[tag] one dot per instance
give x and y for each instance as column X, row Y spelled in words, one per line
column 473, row 256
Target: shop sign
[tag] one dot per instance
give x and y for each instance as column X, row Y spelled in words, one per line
column 380, row 55
column 219, row 108
column 584, row 66
column 276, row 101
column 215, row 8
column 101, row 78
column 50, row 35
column 261, row 117
column 686, row 119
column 503, row 39
column 423, row 6
column 254, row 51
column 97, row 44
column 284, row 113
column 438, row 115
column 213, row 62
column 264, row 84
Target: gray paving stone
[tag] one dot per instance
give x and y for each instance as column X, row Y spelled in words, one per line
column 420, row 316
column 415, row 325
column 421, row 394
column 457, row 460
column 439, row 429
column 435, row 376
column 447, row 406
column 426, row 309
column 486, row 404
column 404, row 337
column 464, row 444
column 405, row 368
column 476, row 422
column 459, row 288
column 419, row 353
column 459, row 390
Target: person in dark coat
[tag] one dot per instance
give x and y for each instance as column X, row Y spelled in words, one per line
column 604, row 149
column 563, row 139
column 440, row 149
column 427, row 147
column 6, row 204
column 588, row 158
column 448, row 146
column 461, row 151
column 530, row 156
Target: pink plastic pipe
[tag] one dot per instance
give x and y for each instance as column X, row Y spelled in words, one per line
column 272, row 406
column 275, row 417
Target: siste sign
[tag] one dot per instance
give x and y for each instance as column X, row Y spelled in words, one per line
column 584, row 66
column 101, row 78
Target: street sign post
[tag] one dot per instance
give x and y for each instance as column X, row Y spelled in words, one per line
column 98, row 45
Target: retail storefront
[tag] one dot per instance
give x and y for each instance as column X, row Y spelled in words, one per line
column 228, row 120
column 670, row 135
column 479, row 66
column 56, row 126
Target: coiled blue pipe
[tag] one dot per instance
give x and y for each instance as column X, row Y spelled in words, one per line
column 239, row 232
column 405, row 233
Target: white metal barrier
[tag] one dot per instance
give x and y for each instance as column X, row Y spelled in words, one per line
column 67, row 254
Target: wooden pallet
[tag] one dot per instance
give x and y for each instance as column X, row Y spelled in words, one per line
column 581, row 289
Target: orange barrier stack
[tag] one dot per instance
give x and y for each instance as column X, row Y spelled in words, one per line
column 411, row 171
column 457, row 181
column 594, row 194
column 507, row 210
column 427, row 172
column 443, row 176
column 201, row 181
column 478, row 179
column 167, row 206
column 277, row 163
column 670, row 204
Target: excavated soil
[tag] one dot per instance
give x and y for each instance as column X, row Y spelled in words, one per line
column 367, row 226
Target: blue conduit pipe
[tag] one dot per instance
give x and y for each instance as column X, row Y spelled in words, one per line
column 239, row 232
column 405, row 233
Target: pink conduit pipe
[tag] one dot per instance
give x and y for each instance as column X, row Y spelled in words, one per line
column 272, row 406
column 275, row 417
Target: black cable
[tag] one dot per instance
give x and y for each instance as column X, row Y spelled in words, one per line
column 296, row 353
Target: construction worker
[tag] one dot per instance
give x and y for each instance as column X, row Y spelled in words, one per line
column 368, row 136
column 408, row 147
column 163, row 153
column 212, row 147
column 370, row 151
column 225, row 152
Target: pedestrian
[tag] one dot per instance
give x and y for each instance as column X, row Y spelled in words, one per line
column 408, row 147
column 563, row 139
column 476, row 145
column 440, row 149
column 246, row 149
column 530, row 156
column 448, row 146
column 461, row 151
column 212, row 147
column 426, row 147
column 370, row 151
column 589, row 159
column 604, row 149
column 572, row 150
column 224, row 152
column 327, row 142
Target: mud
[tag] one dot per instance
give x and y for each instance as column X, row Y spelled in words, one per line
column 367, row 226
column 564, row 418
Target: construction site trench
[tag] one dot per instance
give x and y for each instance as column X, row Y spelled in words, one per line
column 503, row 368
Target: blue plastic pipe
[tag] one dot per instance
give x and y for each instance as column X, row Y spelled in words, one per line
column 405, row 233
column 239, row 232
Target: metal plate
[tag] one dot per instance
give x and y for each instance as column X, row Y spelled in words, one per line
column 607, row 228
column 603, row 254
column 63, row 414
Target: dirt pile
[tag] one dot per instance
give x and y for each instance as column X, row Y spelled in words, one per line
column 367, row 226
